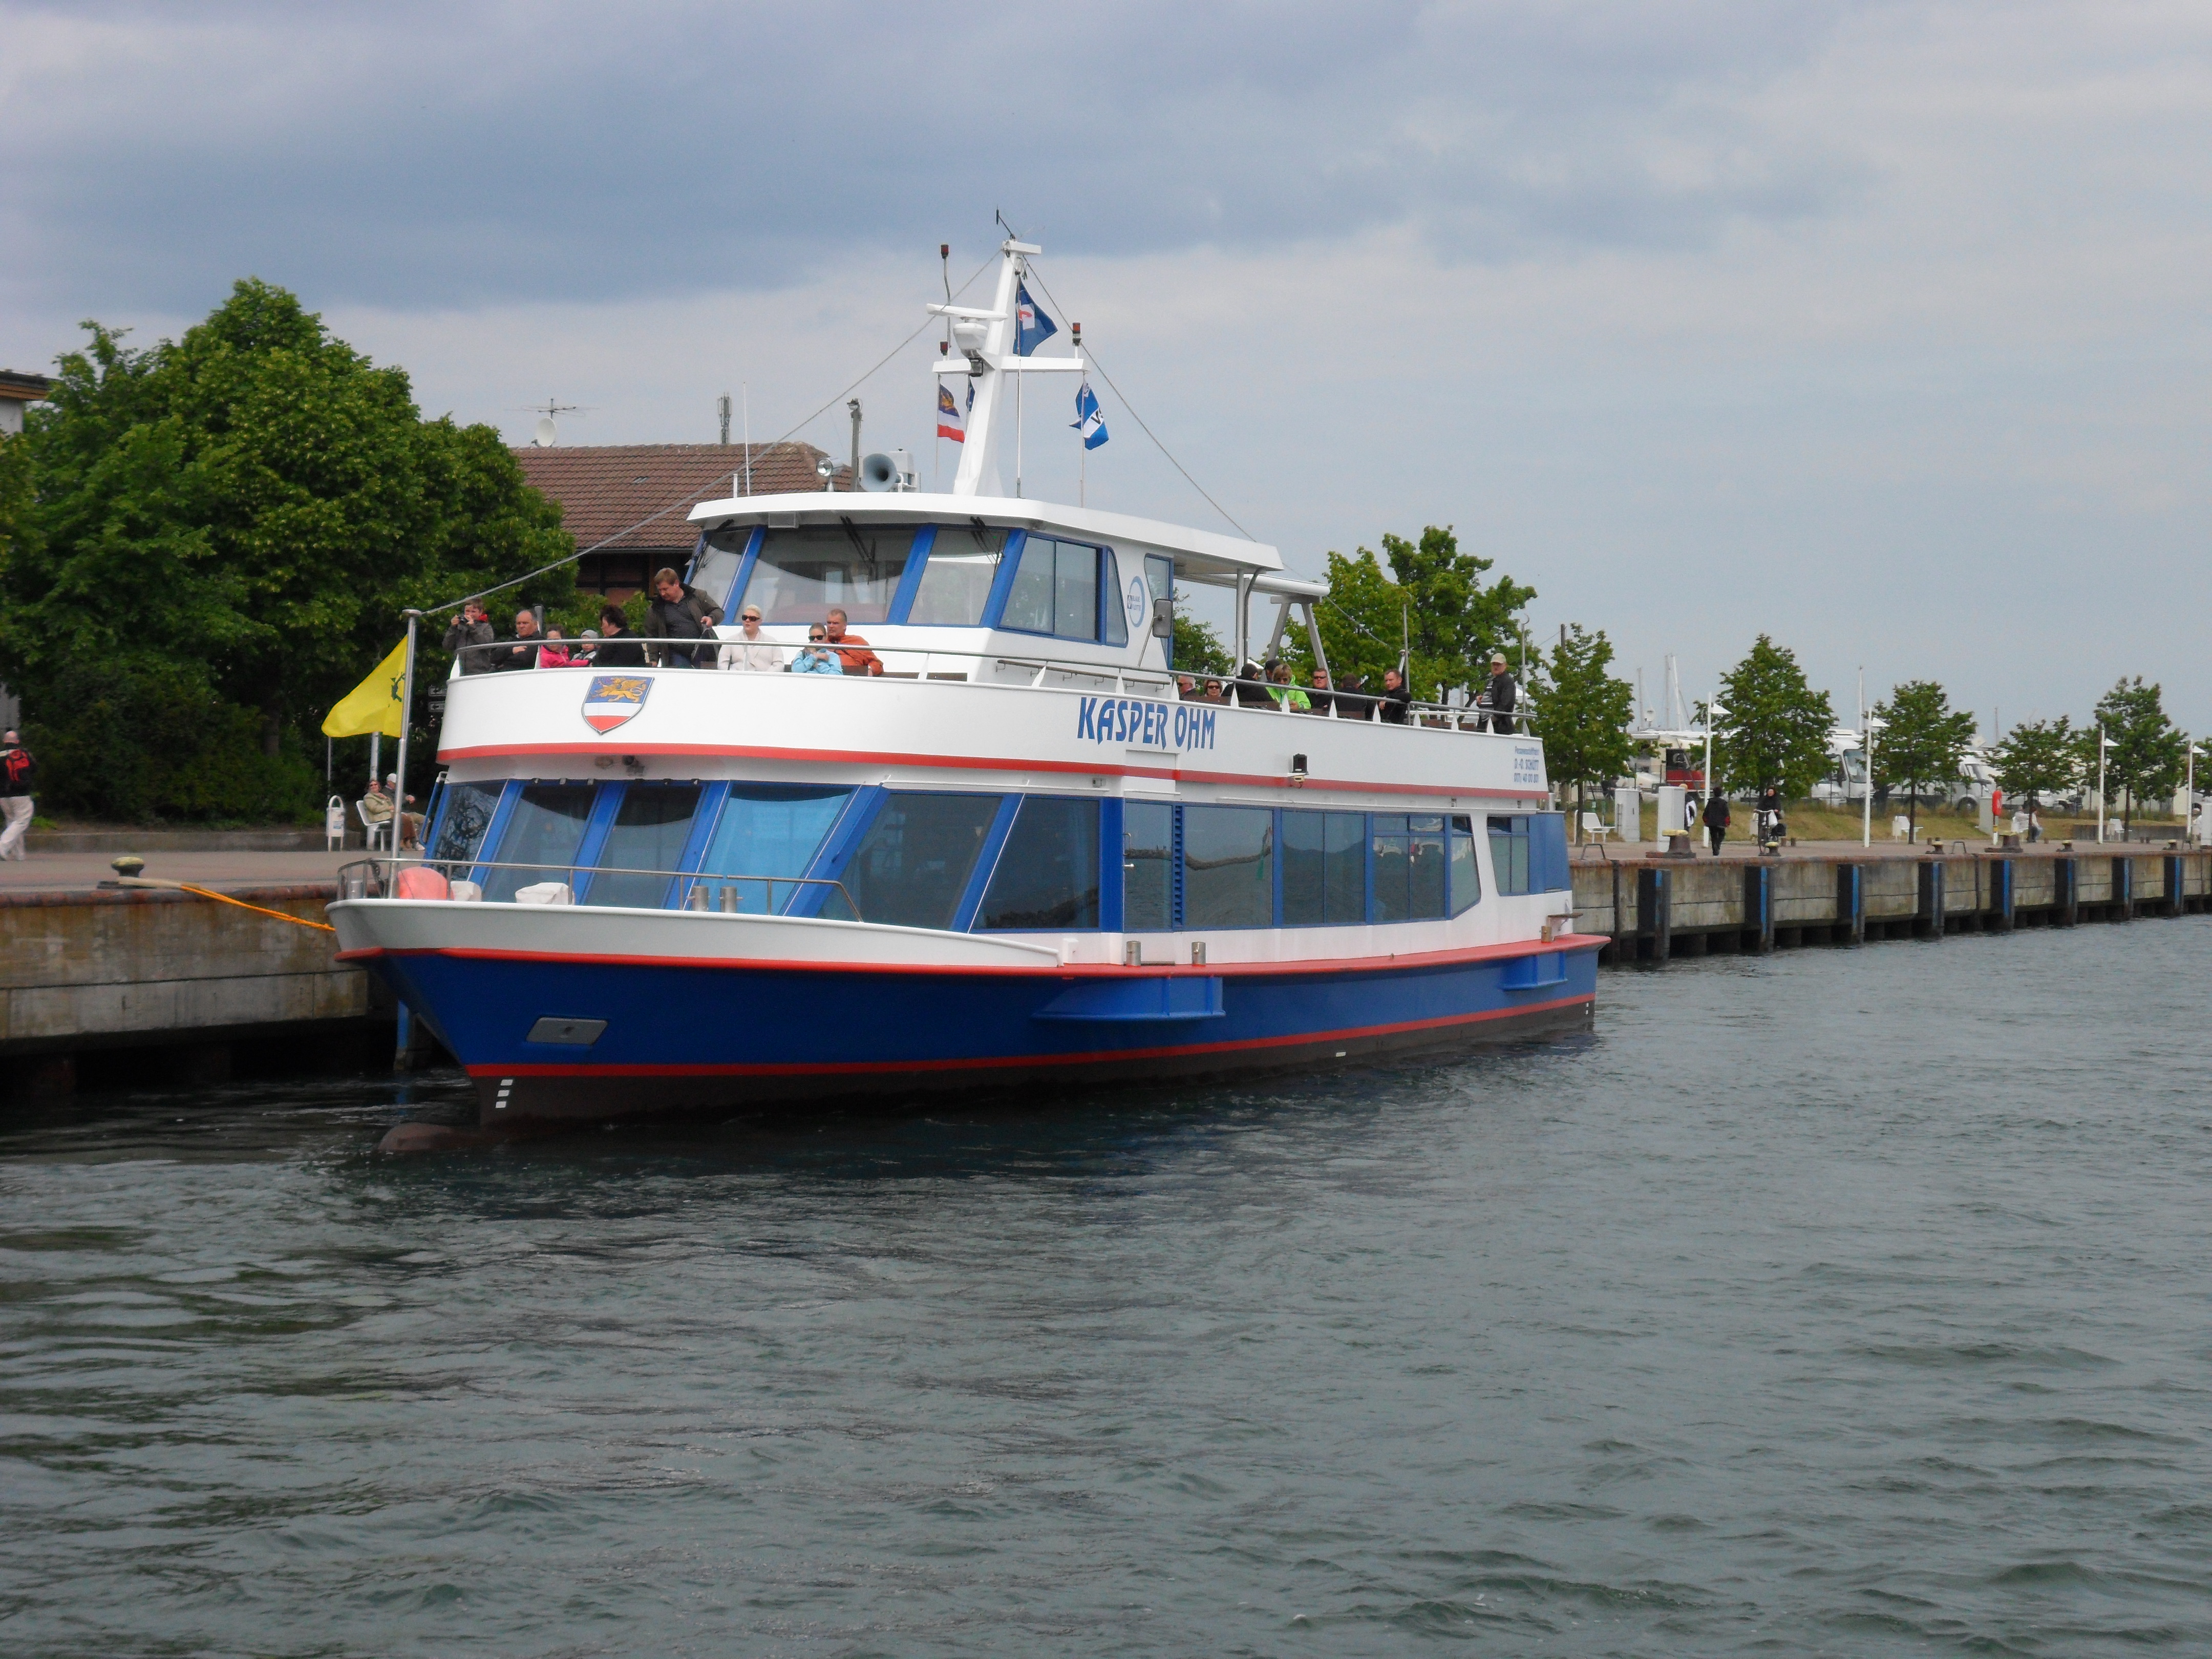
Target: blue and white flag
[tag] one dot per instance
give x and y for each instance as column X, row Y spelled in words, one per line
column 1032, row 328
column 1088, row 421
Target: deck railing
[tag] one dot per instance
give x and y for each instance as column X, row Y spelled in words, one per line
column 1006, row 668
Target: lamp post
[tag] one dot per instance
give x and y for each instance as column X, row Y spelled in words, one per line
column 1868, row 727
column 1711, row 709
column 2103, row 743
column 2189, row 797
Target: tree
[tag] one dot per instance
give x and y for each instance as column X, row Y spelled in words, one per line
column 1920, row 742
column 1584, row 714
column 2037, row 757
column 2147, row 755
column 1776, row 730
column 1435, row 599
column 222, row 534
column 1198, row 648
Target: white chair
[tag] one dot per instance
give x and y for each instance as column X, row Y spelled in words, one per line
column 370, row 829
column 1595, row 828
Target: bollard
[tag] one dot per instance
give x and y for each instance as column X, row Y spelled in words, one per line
column 2174, row 883
column 1653, row 920
column 1930, row 918
column 2123, row 888
column 2000, row 895
column 1851, row 900
column 1759, row 905
column 2066, row 891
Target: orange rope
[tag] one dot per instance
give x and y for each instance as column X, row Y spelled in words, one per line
column 225, row 898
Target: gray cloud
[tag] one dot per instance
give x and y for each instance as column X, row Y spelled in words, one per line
column 434, row 156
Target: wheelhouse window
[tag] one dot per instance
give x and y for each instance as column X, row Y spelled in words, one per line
column 1324, row 868
column 802, row 573
column 1509, row 854
column 650, row 828
column 1047, row 875
column 914, row 862
column 1465, row 872
column 721, row 555
column 463, row 816
column 1055, row 590
column 767, row 830
column 1409, row 866
column 545, row 828
column 1147, row 866
column 1228, row 866
column 956, row 582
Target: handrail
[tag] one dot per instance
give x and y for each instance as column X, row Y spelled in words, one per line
column 695, row 879
column 1238, row 693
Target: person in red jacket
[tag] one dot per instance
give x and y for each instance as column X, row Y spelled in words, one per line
column 17, row 780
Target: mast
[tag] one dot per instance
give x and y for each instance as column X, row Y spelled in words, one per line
column 985, row 341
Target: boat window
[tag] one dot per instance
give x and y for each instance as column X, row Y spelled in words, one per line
column 1465, row 874
column 1122, row 605
column 913, row 865
column 1147, row 866
column 1228, row 866
column 1048, row 873
column 1409, row 866
column 768, row 830
column 1324, row 868
column 956, row 582
column 1549, row 870
column 650, row 829
column 463, row 817
column 1055, row 590
column 804, row 571
column 1509, row 854
column 545, row 828
column 721, row 556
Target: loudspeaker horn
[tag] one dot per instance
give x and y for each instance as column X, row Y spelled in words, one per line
column 879, row 472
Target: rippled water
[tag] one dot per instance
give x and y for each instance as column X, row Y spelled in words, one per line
column 1844, row 1302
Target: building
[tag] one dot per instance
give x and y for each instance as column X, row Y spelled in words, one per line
column 18, row 389
column 634, row 497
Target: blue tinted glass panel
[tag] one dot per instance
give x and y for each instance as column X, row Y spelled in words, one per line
column 768, row 829
column 1147, row 867
column 463, row 816
column 802, row 572
column 1509, row 854
column 1465, row 872
column 1324, row 869
column 1121, row 598
column 1549, row 870
column 914, row 862
column 1409, row 872
column 1075, row 591
column 546, row 829
column 1047, row 871
column 963, row 563
column 1228, row 866
column 1029, row 606
column 650, row 829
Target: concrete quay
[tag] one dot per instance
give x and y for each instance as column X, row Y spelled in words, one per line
column 1653, row 909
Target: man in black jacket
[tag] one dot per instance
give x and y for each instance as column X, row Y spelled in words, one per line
column 680, row 612
column 1397, row 699
column 1717, row 819
column 522, row 654
column 617, row 646
column 17, row 777
column 1499, row 697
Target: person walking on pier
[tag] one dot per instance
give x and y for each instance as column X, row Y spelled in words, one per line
column 16, row 778
column 1717, row 818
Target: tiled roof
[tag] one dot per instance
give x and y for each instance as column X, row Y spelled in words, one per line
column 603, row 488
column 23, row 388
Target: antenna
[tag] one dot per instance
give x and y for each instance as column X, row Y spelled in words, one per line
column 722, row 408
column 546, row 435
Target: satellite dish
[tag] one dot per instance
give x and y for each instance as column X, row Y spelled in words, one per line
column 545, row 438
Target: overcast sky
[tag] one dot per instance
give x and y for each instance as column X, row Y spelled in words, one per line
column 1881, row 328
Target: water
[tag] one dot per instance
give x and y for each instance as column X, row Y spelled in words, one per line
column 1844, row 1302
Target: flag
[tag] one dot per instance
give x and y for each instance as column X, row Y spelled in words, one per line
column 374, row 705
column 1032, row 328
column 948, row 416
column 1088, row 421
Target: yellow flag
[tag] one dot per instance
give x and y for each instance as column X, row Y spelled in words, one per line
column 374, row 705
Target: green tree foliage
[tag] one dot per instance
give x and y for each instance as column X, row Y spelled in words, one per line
column 1584, row 714
column 2148, row 754
column 220, row 536
column 1436, row 594
column 2039, row 758
column 1774, row 733
column 1198, row 648
column 1921, row 743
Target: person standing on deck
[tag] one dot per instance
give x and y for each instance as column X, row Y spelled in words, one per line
column 17, row 776
column 1497, row 698
column 680, row 612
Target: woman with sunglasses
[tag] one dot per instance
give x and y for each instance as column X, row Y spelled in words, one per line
column 816, row 657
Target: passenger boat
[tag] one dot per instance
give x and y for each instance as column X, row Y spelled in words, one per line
column 1022, row 856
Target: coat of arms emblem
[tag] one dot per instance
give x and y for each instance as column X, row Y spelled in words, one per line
column 611, row 699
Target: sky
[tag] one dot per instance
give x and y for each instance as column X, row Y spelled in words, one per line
column 1878, row 328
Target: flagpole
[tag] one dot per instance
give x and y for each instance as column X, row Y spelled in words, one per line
column 406, row 706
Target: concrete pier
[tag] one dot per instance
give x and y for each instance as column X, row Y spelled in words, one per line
column 1654, row 909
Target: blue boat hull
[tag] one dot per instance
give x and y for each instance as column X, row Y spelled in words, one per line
column 728, row 1037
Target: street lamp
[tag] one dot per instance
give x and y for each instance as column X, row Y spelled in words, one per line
column 2189, row 796
column 2103, row 743
column 1869, row 724
column 1711, row 709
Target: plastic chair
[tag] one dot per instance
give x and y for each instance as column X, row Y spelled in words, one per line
column 370, row 828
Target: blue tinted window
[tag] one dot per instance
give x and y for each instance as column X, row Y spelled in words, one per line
column 463, row 815
column 913, row 864
column 1147, row 866
column 1055, row 590
column 1324, row 868
column 1047, row 874
column 546, row 829
column 768, row 829
column 1409, row 867
column 1466, row 872
column 1509, row 854
column 1228, row 866
column 650, row 829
